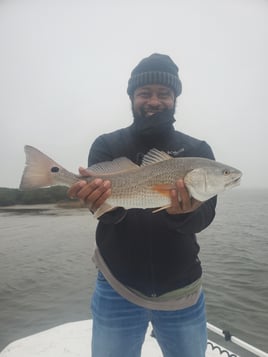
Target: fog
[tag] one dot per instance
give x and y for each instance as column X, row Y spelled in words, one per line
column 65, row 64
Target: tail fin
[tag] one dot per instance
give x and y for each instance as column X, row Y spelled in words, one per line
column 40, row 170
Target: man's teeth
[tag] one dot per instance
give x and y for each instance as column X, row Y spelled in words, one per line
column 151, row 113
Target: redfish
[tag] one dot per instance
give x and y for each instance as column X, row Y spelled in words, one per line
column 133, row 186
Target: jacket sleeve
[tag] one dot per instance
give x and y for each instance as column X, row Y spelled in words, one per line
column 193, row 222
column 99, row 152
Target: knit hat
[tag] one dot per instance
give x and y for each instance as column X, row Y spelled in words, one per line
column 155, row 69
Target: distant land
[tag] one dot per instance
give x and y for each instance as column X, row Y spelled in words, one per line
column 13, row 196
column 55, row 194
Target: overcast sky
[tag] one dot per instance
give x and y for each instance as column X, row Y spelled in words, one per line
column 64, row 67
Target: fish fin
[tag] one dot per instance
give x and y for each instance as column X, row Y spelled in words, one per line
column 163, row 189
column 154, row 156
column 39, row 171
column 161, row 208
column 119, row 165
column 104, row 208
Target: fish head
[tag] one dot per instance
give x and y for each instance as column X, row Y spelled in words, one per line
column 206, row 182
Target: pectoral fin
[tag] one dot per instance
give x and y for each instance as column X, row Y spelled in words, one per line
column 163, row 189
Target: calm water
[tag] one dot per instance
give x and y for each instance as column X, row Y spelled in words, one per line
column 47, row 276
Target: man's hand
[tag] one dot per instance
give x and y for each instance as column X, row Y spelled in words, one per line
column 93, row 193
column 181, row 202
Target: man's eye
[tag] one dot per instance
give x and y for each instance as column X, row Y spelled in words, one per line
column 144, row 94
column 163, row 95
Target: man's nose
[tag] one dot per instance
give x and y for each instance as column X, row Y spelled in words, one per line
column 154, row 100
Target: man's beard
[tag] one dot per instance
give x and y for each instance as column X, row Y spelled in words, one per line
column 154, row 126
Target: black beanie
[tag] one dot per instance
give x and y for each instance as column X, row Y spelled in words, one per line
column 155, row 69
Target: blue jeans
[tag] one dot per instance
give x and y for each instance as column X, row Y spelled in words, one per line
column 119, row 326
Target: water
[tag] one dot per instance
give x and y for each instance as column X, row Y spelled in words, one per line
column 47, row 275
column 234, row 252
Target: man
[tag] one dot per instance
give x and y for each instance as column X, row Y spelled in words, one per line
column 148, row 266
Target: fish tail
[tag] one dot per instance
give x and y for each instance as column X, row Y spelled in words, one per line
column 42, row 171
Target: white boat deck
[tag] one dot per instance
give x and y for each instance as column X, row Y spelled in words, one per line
column 73, row 340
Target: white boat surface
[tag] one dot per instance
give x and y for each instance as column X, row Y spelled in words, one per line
column 73, row 340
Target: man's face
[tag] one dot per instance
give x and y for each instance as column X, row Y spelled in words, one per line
column 151, row 99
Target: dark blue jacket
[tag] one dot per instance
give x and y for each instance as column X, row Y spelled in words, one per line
column 152, row 253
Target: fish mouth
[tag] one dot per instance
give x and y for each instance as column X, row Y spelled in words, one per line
column 234, row 182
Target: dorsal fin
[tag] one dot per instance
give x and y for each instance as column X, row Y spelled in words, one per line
column 153, row 156
column 121, row 164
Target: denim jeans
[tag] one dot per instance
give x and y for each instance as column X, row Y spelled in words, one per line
column 119, row 326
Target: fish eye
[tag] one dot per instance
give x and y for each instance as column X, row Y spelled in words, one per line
column 54, row 169
column 226, row 172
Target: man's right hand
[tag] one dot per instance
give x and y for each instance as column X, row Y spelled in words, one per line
column 93, row 193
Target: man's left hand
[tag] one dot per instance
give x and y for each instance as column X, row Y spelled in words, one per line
column 181, row 201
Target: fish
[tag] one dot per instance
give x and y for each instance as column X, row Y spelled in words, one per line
column 134, row 186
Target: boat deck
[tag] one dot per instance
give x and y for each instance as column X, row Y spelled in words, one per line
column 73, row 340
